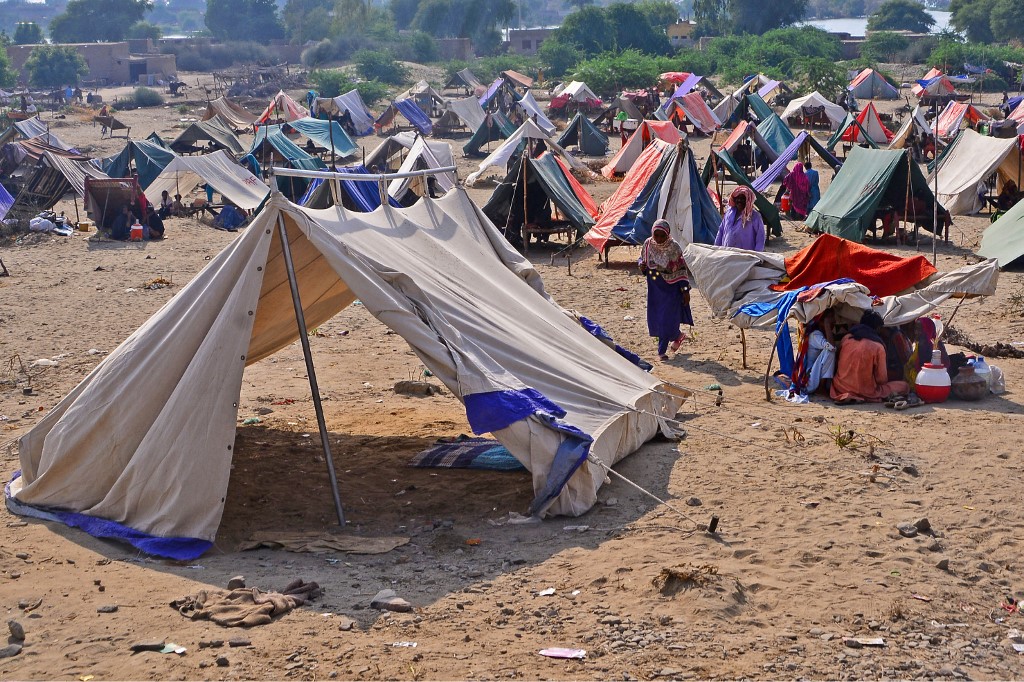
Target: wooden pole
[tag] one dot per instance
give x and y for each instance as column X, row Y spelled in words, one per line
column 768, row 368
column 743, row 344
column 525, row 233
column 906, row 204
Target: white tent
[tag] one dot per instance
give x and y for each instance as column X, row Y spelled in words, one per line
column 533, row 112
column 637, row 142
column 362, row 119
column 469, row 111
column 386, row 150
column 578, row 91
column 970, row 159
column 723, row 110
column 529, row 130
column 913, row 123
column 141, row 449
column 421, row 156
column 185, row 173
column 813, row 102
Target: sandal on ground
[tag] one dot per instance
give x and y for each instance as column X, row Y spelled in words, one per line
column 674, row 347
column 911, row 401
column 895, row 398
column 663, row 358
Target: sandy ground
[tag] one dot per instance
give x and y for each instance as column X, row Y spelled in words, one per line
column 807, row 552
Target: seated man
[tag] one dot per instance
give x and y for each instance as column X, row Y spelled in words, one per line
column 229, row 219
column 861, row 371
column 1008, row 196
column 177, row 208
column 122, row 226
column 154, row 227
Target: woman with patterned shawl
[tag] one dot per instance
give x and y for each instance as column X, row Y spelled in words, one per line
column 668, row 288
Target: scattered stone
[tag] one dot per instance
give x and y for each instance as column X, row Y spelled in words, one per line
column 611, row 502
column 387, row 600
column 911, row 470
column 204, row 664
column 943, row 565
column 222, row 662
column 935, row 547
column 16, row 574
column 236, row 583
column 27, row 606
column 923, row 525
column 21, row 555
column 109, row 608
column 610, row 620
column 907, row 530
column 416, row 388
column 692, row 502
column 148, row 646
column 345, row 624
column 211, row 644
column 17, row 631
column 264, row 411
column 10, row 650
column 238, row 641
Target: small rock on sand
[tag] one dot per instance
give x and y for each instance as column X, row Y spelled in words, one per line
column 387, row 600
column 10, row 650
column 17, row 631
column 236, row 583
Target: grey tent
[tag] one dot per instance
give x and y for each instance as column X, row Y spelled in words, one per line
column 464, row 79
column 585, row 135
column 209, row 135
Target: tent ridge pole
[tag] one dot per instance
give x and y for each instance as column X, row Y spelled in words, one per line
column 300, row 320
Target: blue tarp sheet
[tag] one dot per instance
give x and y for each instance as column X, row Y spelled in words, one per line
column 415, row 116
column 6, row 201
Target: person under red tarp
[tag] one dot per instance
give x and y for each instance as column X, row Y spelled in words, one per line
column 861, row 369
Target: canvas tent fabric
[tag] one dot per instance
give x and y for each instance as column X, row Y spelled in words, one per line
column 969, row 161
column 780, row 165
column 760, row 108
column 954, row 115
column 533, row 112
column 914, row 123
column 698, row 113
column 852, row 126
column 647, row 132
column 518, row 78
column 237, row 117
column 351, row 102
column 723, row 161
column 214, row 130
column 775, row 132
column 354, row 195
column 408, row 109
column 465, row 113
column 744, row 130
column 219, row 169
column 149, row 160
column 869, row 84
column 438, row 273
column 272, row 145
column 582, row 133
column 495, row 126
column 726, row 111
column 54, row 176
column 728, row 279
column 425, row 155
column 579, row 92
column 934, row 84
column 422, row 92
column 35, row 128
column 6, row 202
column 282, row 108
column 546, row 181
column 527, row 131
column 815, row 102
column 324, row 134
column 389, row 154
column 663, row 184
column 464, row 79
column 1003, row 240
column 870, row 128
column 867, row 177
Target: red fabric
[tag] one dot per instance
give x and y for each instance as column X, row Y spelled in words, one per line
column 831, row 257
column 618, row 203
column 581, row 194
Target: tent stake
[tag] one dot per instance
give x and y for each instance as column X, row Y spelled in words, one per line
column 743, row 343
column 300, row 319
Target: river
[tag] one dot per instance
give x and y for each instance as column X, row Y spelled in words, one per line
column 856, row 26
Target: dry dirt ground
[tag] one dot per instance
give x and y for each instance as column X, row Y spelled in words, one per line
column 807, row 552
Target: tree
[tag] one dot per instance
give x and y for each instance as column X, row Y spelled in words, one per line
column 27, row 33
column 403, row 11
column 589, row 29
column 558, row 56
column 143, row 29
column 882, row 46
column 474, row 19
column 712, row 16
column 52, row 66
column 379, row 66
column 660, row 13
column 823, row 75
column 901, row 15
column 579, row 4
column 243, row 19
column 8, row 76
column 754, row 17
column 633, row 30
column 306, row 20
column 974, row 19
column 87, row 21
column 1007, row 20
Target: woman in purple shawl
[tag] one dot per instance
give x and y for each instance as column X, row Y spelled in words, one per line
column 799, row 190
column 668, row 289
column 742, row 226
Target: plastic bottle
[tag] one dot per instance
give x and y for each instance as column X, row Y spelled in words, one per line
column 982, row 369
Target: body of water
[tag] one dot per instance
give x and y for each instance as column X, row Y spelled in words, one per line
column 857, row 26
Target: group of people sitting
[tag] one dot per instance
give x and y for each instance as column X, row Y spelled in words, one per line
column 144, row 217
column 229, row 218
column 865, row 362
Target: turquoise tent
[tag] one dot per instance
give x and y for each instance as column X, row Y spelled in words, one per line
column 148, row 158
column 759, row 106
column 272, row 147
column 585, row 135
column 495, row 127
column 776, row 133
column 325, row 134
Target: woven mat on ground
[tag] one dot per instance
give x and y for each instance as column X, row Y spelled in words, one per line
column 468, row 453
column 247, row 606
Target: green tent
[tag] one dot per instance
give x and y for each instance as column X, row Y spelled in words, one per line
column 582, row 133
column 759, row 107
column 869, row 177
column 767, row 209
column 776, row 133
column 546, row 186
column 194, row 138
column 850, row 120
column 1004, row 239
column 273, row 148
column 495, row 127
column 148, row 158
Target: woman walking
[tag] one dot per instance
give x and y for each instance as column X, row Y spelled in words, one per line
column 668, row 289
column 799, row 188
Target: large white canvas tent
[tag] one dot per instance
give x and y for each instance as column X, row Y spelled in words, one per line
column 527, row 131
column 424, row 156
column 351, row 102
column 915, row 123
column 141, row 449
column 533, row 112
column 869, row 84
column 970, row 159
column 389, row 154
column 231, row 180
column 811, row 105
column 578, row 91
column 237, row 117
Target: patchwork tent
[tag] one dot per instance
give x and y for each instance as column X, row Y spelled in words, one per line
column 407, row 109
column 955, row 115
column 464, row 79
column 641, row 138
column 587, row 138
column 1003, row 240
column 623, row 104
column 238, row 118
column 969, row 161
column 869, row 128
column 148, row 159
column 697, row 112
column 801, row 146
column 869, row 84
column 746, row 130
column 461, row 113
column 528, row 134
column 728, row 111
column 852, row 127
column 934, row 84
column 495, row 126
column 235, row 183
column 691, row 82
column 353, row 195
column 663, row 183
column 869, row 176
column 34, row 128
column 814, row 108
column 549, row 192
column 198, row 136
column 775, row 132
column 350, row 103
column 152, row 467
column 282, row 108
column 761, row 85
column 104, row 198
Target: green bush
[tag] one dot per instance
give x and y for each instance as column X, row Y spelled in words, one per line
column 424, row 48
column 147, row 97
column 208, row 57
column 333, row 82
column 488, row 68
column 375, row 65
column 372, row 91
column 609, row 74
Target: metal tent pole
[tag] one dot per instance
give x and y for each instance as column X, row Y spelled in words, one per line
column 935, row 198
column 300, row 319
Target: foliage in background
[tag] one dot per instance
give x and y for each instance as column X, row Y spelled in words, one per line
column 901, row 15
column 724, row 17
column 952, row 53
column 306, row 20
column 557, row 58
column 488, row 68
column 54, row 65
column 619, row 26
column 474, row 19
column 147, row 97
column 87, row 21
column 250, row 19
column 334, row 82
column 882, row 46
column 27, row 33
column 986, row 21
column 208, row 57
column 144, row 29
column 8, row 76
column 823, row 75
column 374, row 65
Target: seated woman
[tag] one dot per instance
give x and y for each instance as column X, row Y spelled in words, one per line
column 1008, row 196
column 861, row 371
column 230, row 218
column 799, row 188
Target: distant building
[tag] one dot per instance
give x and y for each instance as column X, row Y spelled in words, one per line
column 527, row 40
column 108, row 63
column 680, row 34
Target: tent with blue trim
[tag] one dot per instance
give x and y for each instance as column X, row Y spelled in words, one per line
column 410, row 111
column 141, row 450
column 144, row 158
